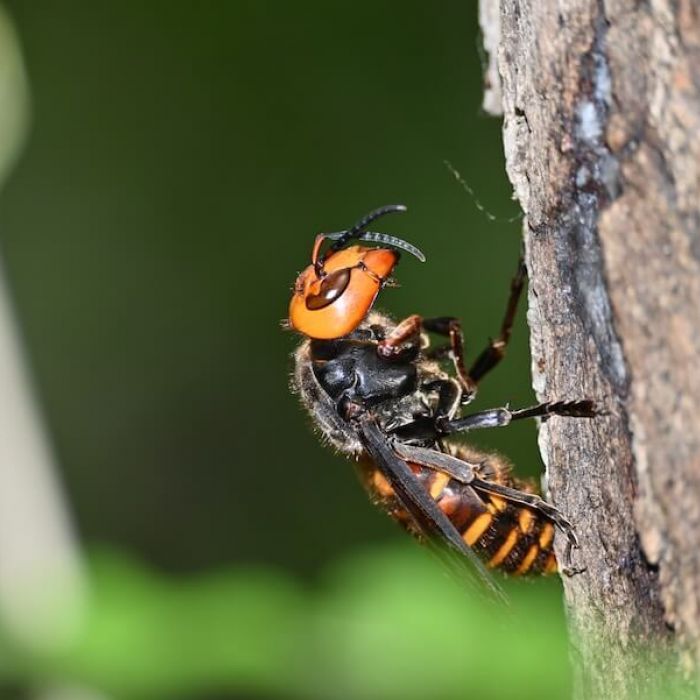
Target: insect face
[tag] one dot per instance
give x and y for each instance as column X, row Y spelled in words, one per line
column 333, row 295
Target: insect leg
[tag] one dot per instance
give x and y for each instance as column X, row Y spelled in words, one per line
column 440, row 352
column 405, row 332
column 496, row 349
column 449, row 396
column 458, row 469
column 433, row 427
column 452, row 328
column 499, row 417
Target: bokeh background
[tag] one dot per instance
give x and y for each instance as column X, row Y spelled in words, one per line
column 180, row 158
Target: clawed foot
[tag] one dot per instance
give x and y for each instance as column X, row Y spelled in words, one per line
column 570, row 570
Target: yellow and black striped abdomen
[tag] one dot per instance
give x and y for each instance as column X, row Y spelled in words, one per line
column 507, row 536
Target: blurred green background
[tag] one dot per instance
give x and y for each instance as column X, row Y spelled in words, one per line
column 180, row 160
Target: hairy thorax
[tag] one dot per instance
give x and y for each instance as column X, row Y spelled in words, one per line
column 326, row 373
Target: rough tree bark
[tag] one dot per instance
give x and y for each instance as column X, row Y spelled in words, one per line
column 601, row 107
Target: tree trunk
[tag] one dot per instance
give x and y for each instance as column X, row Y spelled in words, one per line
column 601, row 105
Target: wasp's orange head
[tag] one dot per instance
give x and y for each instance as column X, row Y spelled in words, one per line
column 333, row 294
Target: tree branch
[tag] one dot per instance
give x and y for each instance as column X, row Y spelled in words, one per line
column 601, row 103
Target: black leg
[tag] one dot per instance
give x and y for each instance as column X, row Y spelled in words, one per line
column 431, row 428
column 448, row 403
column 499, row 417
column 452, row 329
column 531, row 501
column 496, row 349
column 449, row 396
column 457, row 468
column 439, row 352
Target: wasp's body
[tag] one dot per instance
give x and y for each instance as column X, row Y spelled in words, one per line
column 378, row 393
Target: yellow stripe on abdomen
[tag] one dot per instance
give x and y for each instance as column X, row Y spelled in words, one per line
column 546, row 536
column 497, row 504
column 439, row 482
column 528, row 560
column 525, row 520
column 505, row 549
column 477, row 529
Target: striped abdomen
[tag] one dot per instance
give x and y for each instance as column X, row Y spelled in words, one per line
column 508, row 536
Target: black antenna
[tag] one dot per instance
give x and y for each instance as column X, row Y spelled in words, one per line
column 358, row 232
column 365, row 221
column 385, row 238
column 342, row 237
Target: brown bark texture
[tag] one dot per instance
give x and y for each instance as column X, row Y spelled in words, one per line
column 601, row 129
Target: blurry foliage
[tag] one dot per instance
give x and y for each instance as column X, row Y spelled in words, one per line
column 383, row 623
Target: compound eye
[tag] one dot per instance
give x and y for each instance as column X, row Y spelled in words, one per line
column 332, row 287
